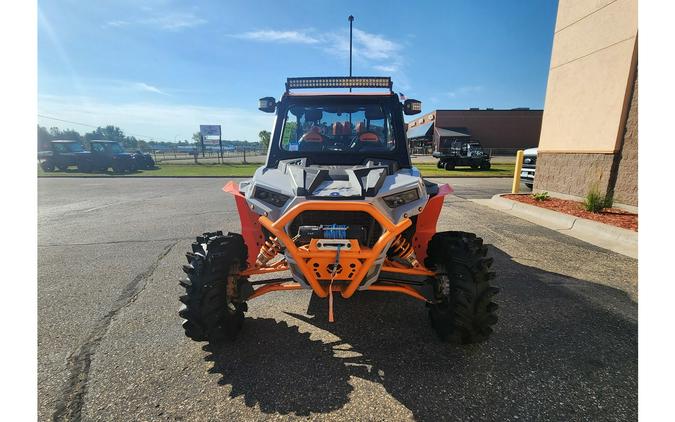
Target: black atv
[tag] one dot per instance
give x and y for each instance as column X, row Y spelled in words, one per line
column 144, row 160
column 467, row 153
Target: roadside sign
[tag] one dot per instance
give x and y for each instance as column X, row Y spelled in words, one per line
column 209, row 130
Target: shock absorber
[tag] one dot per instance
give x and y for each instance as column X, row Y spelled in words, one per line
column 403, row 250
column 268, row 250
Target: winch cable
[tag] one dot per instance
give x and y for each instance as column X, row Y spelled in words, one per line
column 330, row 286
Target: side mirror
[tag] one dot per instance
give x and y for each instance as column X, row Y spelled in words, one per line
column 267, row 104
column 411, row 107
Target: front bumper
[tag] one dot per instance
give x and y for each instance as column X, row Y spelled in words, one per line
column 357, row 261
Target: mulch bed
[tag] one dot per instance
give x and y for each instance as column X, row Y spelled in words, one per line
column 613, row 216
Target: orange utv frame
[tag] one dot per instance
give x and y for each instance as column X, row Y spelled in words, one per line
column 339, row 208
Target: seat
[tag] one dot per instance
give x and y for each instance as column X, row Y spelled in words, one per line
column 346, row 128
column 337, row 129
column 312, row 140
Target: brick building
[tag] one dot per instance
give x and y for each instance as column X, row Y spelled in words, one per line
column 499, row 130
column 589, row 132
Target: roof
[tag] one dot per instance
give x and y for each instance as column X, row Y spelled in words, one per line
column 450, row 133
column 64, row 141
column 421, row 131
column 104, row 140
column 330, row 94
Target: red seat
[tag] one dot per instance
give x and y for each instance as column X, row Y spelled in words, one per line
column 369, row 137
column 337, row 128
column 313, row 135
column 346, row 128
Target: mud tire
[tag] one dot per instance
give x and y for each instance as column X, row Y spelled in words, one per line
column 464, row 312
column 207, row 311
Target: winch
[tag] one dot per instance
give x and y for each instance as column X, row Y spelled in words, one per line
column 332, row 231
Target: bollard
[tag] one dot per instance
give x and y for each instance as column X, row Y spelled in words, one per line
column 516, row 172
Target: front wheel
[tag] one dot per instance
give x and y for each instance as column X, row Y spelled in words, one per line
column 463, row 312
column 439, row 164
column 485, row 165
column 47, row 165
column 213, row 305
column 449, row 165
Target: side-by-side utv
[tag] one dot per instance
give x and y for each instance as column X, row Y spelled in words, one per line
column 340, row 207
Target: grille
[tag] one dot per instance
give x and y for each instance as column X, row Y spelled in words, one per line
column 530, row 161
column 349, row 218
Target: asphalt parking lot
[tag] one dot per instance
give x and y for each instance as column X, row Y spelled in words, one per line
column 110, row 344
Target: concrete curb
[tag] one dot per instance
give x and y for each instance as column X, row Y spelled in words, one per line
column 616, row 239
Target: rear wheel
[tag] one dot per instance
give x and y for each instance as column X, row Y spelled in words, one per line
column 84, row 167
column 449, row 165
column 212, row 307
column 485, row 165
column 464, row 311
column 439, row 164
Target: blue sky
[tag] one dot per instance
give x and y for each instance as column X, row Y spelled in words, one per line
column 160, row 68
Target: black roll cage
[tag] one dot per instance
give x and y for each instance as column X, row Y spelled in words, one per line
column 390, row 102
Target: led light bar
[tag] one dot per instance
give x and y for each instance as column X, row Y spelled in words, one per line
column 339, row 82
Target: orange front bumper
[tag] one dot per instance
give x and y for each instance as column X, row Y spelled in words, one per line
column 355, row 262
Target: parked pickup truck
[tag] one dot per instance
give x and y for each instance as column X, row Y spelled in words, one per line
column 61, row 155
column 529, row 164
column 108, row 154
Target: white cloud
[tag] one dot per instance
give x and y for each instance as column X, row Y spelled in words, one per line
column 173, row 21
column 163, row 122
column 374, row 46
column 465, row 90
column 142, row 86
column 116, row 24
column 168, row 21
column 370, row 50
column 386, row 68
column 278, row 36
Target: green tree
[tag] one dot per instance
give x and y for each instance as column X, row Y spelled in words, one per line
column 196, row 137
column 264, row 136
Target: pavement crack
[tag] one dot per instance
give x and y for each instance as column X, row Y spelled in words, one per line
column 115, row 242
column 69, row 406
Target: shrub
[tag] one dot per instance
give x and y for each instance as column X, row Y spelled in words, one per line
column 540, row 196
column 595, row 202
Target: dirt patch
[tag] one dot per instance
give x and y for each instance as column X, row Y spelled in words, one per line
column 613, row 216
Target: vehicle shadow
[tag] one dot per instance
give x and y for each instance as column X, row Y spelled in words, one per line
column 281, row 370
column 564, row 349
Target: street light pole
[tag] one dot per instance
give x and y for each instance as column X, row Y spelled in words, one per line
column 351, row 20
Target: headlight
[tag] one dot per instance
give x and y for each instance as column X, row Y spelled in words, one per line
column 398, row 199
column 272, row 198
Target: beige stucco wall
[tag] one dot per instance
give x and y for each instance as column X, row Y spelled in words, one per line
column 590, row 76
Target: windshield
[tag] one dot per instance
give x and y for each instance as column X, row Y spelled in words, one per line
column 337, row 128
column 75, row 147
column 114, row 148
